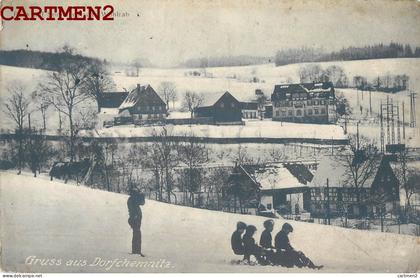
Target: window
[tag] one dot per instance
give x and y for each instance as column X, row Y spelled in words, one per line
column 283, row 113
column 315, row 102
column 140, row 116
column 149, row 116
column 316, row 111
column 309, row 111
column 290, row 113
column 323, row 111
column 222, row 105
column 146, row 108
column 277, row 113
column 232, row 105
column 299, row 112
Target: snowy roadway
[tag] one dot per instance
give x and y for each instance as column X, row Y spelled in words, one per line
column 55, row 227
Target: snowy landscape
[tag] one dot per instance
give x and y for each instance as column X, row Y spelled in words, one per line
column 195, row 136
column 92, row 224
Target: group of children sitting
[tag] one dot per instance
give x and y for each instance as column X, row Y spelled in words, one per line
column 281, row 253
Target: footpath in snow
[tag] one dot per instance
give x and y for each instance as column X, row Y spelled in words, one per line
column 77, row 229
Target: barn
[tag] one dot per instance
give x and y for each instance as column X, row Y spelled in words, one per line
column 144, row 104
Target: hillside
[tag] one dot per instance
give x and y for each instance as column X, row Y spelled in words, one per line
column 52, row 220
column 237, row 80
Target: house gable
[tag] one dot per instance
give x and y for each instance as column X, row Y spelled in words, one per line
column 385, row 181
column 111, row 99
column 144, row 100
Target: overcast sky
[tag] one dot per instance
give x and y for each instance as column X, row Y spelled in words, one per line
column 169, row 32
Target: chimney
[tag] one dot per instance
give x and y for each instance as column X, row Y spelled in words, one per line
column 138, row 86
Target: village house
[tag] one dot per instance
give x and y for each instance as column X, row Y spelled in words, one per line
column 379, row 190
column 283, row 187
column 108, row 107
column 304, row 103
column 227, row 108
column 249, row 110
column 144, row 105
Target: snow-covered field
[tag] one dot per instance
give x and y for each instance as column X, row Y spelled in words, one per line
column 251, row 129
column 78, row 227
column 236, row 80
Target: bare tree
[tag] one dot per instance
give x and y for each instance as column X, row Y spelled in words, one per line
column 38, row 151
column 217, row 181
column 137, row 64
column 167, row 90
column 311, row 73
column 41, row 104
column 16, row 108
column 360, row 163
column 276, row 154
column 408, row 177
column 164, row 153
column 192, row 154
column 191, row 101
column 64, row 89
column 241, row 156
column 97, row 82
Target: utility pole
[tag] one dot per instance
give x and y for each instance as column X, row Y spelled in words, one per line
column 382, row 128
column 412, row 109
column 398, row 125
column 387, row 121
column 358, row 103
column 357, row 136
column 346, row 119
column 392, row 123
column 328, row 203
column 403, row 119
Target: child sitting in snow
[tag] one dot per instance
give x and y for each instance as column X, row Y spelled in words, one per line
column 251, row 248
column 266, row 241
column 287, row 255
column 236, row 239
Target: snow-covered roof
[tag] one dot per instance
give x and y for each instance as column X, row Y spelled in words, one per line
column 279, row 175
column 135, row 95
column 111, row 99
column 211, row 98
column 284, row 91
column 335, row 169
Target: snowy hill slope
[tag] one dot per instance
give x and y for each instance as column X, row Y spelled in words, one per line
column 67, row 222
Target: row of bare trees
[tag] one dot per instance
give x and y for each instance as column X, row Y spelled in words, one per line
column 189, row 102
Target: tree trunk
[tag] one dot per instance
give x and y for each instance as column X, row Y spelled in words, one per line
column 71, row 135
column 20, row 154
column 44, row 121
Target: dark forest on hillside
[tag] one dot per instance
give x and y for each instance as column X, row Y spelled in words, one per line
column 40, row 60
column 377, row 51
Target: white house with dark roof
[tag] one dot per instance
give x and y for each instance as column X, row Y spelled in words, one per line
column 304, row 103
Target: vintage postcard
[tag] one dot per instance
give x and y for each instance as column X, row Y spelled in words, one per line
column 210, row 136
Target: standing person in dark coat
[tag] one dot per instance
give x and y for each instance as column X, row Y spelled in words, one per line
column 236, row 239
column 289, row 257
column 251, row 248
column 134, row 202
